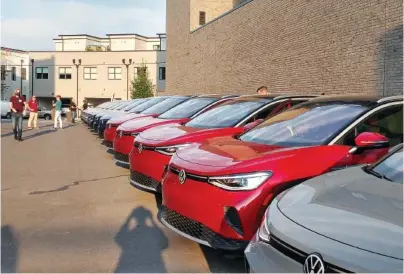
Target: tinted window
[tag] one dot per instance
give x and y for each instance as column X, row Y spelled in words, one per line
column 392, row 167
column 305, row 125
column 165, row 105
column 188, row 108
column 147, row 104
column 226, row 115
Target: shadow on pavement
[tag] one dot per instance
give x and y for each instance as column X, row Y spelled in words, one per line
column 142, row 243
column 221, row 262
column 9, row 250
column 39, row 133
column 75, row 183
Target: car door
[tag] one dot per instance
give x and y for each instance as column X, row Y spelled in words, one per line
column 386, row 120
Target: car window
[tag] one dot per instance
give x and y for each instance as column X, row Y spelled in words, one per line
column 165, row 105
column 305, row 125
column 132, row 104
column 392, row 167
column 226, row 115
column 388, row 122
column 147, row 104
column 188, row 108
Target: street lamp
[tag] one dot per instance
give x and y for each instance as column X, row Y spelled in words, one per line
column 127, row 76
column 77, row 80
column 32, row 77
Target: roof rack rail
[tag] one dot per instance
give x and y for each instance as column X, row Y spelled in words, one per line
column 390, row 98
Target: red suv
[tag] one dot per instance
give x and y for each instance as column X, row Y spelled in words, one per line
column 216, row 192
column 173, row 110
column 154, row 147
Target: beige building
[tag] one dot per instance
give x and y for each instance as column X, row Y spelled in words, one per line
column 14, row 72
column 333, row 46
column 77, row 74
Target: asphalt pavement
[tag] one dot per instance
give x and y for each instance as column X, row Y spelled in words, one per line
column 67, row 208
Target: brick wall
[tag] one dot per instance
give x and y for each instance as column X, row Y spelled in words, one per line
column 307, row 46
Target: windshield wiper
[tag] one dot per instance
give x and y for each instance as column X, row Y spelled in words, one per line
column 377, row 174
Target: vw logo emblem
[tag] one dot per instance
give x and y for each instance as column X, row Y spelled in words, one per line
column 121, row 134
column 314, row 264
column 140, row 148
column 182, row 176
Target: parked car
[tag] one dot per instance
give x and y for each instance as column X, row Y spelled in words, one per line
column 216, row 192
column 118, row 109
column 5, row 109
column 348, row 221
column 171, row 111
column 154, row 147
column 44, row 113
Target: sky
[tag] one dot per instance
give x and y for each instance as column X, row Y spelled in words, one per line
column 32, row 24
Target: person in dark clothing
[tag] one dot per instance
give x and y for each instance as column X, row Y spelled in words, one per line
column 73, row 110
column 85, row 105
column 18, row 107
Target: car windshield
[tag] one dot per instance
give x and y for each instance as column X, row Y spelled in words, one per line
column 122, row 105
column 227, row 115
column 188, row 108
column 134, row 104
column 391, row 168
column 165, row 105
column 147, row 104
column 305, row 125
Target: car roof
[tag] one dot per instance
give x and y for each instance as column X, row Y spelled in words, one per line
column 218, row 96
column 365, row 100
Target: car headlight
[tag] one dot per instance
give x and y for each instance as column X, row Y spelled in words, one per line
column 263, row 232
column 240, row 182
column 170, row 150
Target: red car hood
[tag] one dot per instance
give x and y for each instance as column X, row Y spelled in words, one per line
column 147, row 122
column 182, row 134
column 122, row 119
column 227, row 155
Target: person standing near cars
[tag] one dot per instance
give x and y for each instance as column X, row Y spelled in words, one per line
column 18, row 107
column 262, row 90
column 58, row 112
column 73, row 110
column 33, row 112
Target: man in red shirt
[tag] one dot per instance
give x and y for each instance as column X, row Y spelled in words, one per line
column 17, row 107
column 33, row 112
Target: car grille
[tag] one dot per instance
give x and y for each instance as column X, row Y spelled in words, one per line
column 145, row 181
column 121, row 157
column 199, row 231
column 108, row 144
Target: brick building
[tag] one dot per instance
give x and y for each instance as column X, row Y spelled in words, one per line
column 308, row 46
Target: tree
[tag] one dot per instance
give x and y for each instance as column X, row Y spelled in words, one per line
column 142, row 86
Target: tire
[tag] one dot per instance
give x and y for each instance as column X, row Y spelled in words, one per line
column 47, row 117
column 8, row 115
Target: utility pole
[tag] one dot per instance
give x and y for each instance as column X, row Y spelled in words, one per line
column 77, row 83
column 127, row 76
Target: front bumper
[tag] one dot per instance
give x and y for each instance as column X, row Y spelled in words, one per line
column 142, row 181
column 121, row 158
column 123, row 144
column 109, row 134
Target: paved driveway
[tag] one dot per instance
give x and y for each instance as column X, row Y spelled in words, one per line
column 67, row 208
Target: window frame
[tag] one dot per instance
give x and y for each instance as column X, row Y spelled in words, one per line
column 65, row 73
column 42, row 74
column 14, row 74
column 90, row 73
column 156, row 47
column 202, row 15
column 23, row 73
column 162, row 72
column 114, row 73
column 3, row 73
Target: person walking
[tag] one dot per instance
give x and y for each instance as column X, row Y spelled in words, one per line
column 58, row 112
column 33, row 112
column 18, row 107
column 263, row 90
column 73, row 110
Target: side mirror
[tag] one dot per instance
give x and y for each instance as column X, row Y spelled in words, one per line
column 253, row 124
column 371, row 140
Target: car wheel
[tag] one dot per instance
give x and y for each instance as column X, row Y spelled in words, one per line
column 8, row 115
column 47, row 117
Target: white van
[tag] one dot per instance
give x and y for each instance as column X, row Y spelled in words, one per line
column 5, row 109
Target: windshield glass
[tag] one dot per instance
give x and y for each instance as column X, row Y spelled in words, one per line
column 188, row 108
column 121, row 105
column 134, row 104
column 226, row 115
column 147, row 104
column 306, row 125
column 392, row 167
column 165, row 105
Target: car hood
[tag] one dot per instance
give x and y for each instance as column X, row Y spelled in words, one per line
column 178, row 134
column 126, row 117
column 352, row 207
column 146, row 123
column 112, row 115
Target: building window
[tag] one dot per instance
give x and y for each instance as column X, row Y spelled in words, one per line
column 156, row 47
column 13, row 74
column 42, row 73
column 3, row 72
column 202, row 18
column 139, row 70
column 65, row 73
column 114, row 73
column 24, row 73
column 90, row 73
column 162, row 73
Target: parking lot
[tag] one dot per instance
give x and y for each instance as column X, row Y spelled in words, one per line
column 67, row 208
